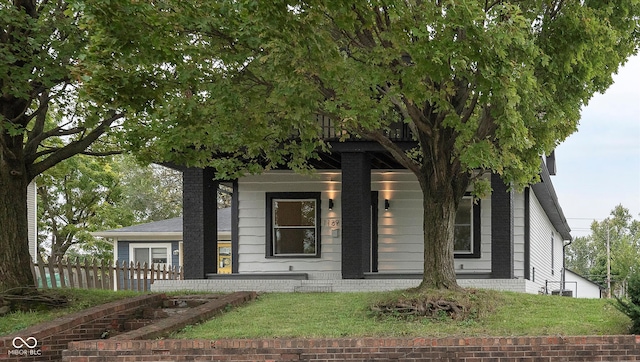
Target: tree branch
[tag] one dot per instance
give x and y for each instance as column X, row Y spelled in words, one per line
column 72, row 148
column 397, row 153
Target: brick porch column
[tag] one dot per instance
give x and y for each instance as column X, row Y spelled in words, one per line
column 356, row 214
column 199, row 223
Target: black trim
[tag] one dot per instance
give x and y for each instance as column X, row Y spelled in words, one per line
column 235, row 219
column 374, row 231
column 501, row 229
column 292, row 196
column 527, row 234
column 477, row 235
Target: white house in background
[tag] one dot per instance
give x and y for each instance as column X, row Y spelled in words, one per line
column 160, row 242
column 32, row 219
column 580, row 286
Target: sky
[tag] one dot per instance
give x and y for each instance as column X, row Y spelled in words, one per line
column 598, row 167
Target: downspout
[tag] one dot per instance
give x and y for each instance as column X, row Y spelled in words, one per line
column 564, row 269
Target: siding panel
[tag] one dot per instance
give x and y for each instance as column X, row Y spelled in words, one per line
column 542, row 234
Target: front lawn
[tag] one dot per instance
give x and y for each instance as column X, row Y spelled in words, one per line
column 349, row 315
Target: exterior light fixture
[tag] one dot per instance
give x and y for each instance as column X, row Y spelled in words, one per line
column 330, row 204
column 386, row 204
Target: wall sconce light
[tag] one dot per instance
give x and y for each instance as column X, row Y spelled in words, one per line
column 330, row 204
column 386, row 204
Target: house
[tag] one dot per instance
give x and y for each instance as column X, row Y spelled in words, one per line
column 356, row 224
column 581, row 287
column 160, row 242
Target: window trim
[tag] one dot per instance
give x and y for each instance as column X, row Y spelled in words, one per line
column 475, row 232
column 136, row 245
column 270, row 196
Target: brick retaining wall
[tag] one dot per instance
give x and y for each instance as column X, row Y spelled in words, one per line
column 52, row 337
column 525, row 349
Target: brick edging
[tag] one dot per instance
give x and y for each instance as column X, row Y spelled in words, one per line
column 195, row 315
column 477, row 349
column 52, row 336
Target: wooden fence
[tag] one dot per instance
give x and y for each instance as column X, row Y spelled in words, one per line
column 99, row 275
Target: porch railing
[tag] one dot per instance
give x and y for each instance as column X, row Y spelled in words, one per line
column 331, row 130
column 101, row 275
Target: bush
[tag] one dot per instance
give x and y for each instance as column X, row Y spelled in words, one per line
column 631, row 305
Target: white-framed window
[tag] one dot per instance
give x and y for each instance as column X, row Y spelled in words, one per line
column 159, row 254
column 463, row 239
column 293, row 224
column 467, row 229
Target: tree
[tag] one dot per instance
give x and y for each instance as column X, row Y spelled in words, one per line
column 84, row 194
column 151, row 192
column 483, row 86
column 77, row 196
column 45, row 116
column 588, row 255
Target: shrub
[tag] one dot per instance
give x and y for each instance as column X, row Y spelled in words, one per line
column 631, row 305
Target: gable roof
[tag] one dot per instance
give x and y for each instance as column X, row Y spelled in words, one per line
column 168, row 226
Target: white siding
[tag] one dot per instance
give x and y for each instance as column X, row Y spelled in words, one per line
column 580, row 286
column 32, row 219
column 400, row 236
column 252, row 223
column 543, row 266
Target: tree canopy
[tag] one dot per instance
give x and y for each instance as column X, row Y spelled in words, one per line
column 483, row 86
column 86, row 194
column 588, row 255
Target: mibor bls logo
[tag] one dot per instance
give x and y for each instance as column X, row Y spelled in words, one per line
column 25, row 347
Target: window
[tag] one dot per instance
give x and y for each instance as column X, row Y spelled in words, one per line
column 155, row 254
column 293, row 224
column 467, row 229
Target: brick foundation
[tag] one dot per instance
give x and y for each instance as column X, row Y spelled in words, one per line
column 580, row 348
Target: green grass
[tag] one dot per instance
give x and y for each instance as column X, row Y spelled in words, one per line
column 348, row 315
column 78, row 299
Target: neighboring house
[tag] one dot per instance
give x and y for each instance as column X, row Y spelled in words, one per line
column 580, row 286
column 359, row 217
column 160, row 242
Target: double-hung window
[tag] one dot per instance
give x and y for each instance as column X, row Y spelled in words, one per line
column 158, row 255
column 467, row 229
column 293, row 224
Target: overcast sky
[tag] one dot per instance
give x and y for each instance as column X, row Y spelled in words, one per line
column 598, row 167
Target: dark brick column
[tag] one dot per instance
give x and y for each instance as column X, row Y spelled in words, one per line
column 501, row 230
column 199, row 222
column 356, row 214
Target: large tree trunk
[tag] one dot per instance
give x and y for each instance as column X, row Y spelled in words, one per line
column 440, row 208
column 443, row 184
column 15, row 260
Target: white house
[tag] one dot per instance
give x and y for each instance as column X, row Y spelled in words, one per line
column 356, row 224
column 581, row 287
